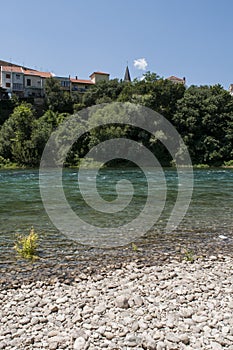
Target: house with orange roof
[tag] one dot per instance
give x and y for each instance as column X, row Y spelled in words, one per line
column 34, row 82
column 177, row 80
column 26, row 82
column 23, row 82
column 80, row 85
column 12, row 80
column 99, row 76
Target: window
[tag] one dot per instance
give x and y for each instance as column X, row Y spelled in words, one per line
column 17, row 76
column 17, row 87
column 28, row 82
column 8, row 85
column 65, row 83
column 8, row 76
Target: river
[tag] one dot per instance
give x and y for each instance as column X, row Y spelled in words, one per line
column 210, row 212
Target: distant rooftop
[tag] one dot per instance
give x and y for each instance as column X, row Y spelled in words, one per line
column 175, row 79
column 81, row 81
column 99, row 73
column 17, row 69
column 14, row 69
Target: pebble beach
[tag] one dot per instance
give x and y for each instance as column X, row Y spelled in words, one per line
column 174, row 304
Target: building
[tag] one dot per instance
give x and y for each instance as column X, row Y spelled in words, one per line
column 64, row 83
column 231, row 89
column 23, row 82
column 12, row 80
column 34, row 82
column 99, row 76
column 80, row 85
column 26, row 82
column 177, row 80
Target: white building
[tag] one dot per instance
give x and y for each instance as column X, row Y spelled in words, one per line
column 12, row 79
column 26, row 82
column 34, row 82
column 23, row 82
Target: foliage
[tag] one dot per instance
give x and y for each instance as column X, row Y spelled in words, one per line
column 189, row 255
column 103, row 92
column 134, row 247
column 26, row 246
column 15, row 134
column 204, row 119
column 54, row 94
column 229, row 163
column 201, row 166
column 154, row 92
column 202, row 115
column 23, row 137
column 6, row 163
column 58, row 100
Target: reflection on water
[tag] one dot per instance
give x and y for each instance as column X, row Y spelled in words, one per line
column 210, row 211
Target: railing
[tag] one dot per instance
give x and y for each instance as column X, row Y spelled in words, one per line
column 17, row 87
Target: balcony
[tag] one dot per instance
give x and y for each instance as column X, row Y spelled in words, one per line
column 17, row 87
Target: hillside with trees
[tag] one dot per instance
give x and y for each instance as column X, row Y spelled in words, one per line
column 203, row 115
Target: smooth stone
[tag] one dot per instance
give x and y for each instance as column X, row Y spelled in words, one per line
column 80, row 344
column 24, row 320
column 122, row 301
column 172, row 337
column 149, row 343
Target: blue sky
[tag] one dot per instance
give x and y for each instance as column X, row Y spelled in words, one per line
column 191, row 38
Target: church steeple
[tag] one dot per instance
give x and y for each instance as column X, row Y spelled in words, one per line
column 127, row 77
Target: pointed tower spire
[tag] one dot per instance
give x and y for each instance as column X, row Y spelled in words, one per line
column 127, row 77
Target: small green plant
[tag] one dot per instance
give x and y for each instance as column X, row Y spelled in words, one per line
column 189, row 255
column 134, row 247
column 26, row 246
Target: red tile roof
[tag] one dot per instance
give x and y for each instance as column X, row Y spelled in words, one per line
column 81, row 81
column 12, row 69
column 26, row 71
column 175, row 78
column 38, row 73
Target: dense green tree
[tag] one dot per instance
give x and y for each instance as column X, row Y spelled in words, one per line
column 202, row 115
column 53, row 94
column 103, row 92
column 15, row 135
column 58, row 100
column 204, row 120
column 156, row 93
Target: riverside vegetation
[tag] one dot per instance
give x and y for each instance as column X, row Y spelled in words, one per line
column 203, row 115
column 26, row 245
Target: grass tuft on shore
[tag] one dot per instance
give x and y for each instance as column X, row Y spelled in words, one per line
column 26, row 245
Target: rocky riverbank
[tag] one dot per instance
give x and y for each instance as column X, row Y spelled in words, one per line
column 171, row 305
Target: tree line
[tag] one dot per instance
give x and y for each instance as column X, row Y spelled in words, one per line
column 203, row 116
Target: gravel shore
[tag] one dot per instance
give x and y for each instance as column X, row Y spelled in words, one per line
column 174, row 305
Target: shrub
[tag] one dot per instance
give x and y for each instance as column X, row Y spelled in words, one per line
column 26, row 246
column 229, row 163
